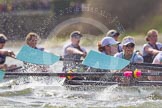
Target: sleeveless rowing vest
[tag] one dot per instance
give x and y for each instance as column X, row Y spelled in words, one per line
column 71, row 59
column 41, row 49
column 148, row 58
column 2, row 59
column 120, row 47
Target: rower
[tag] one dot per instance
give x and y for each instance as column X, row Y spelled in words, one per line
column 73, row 51
column 128, row 45
column 152, row 48
column 115, row 34
column 157, row 60
column 32, row 40
column 4, row 53
column 108, row 46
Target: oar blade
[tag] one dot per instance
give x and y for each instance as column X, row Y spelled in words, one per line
column 35, row 56
column 98, row 60
column 2, row 74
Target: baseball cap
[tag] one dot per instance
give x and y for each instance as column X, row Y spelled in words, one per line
column 108, row 41
column 112, row 33
column 128, row 40
column 76, row 34
column 3, row 38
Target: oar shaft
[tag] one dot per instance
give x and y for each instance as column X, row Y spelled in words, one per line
column 151, row 82
column 149, row 68
column 32, row 74
column 70, row 59
column 83, row 74
column 93, row 81
column 90, row 82
column 145, row 64
column 63, row 74
column 151, row 73
column 15, row 68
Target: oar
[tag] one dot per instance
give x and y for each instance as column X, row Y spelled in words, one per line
column 62, row 74
column 157, row 67
column 89, row 82
column 98, row 60
column 135, row 74
column 14, row 68
column 2, row 72
column 148, row 83
column 157, row 82
column 34, row 56
column 69, row 59
column 146, row 64
column 125, row 74
column 149, row 68
column 106, row 83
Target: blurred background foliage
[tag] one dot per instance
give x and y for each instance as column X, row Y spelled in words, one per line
column 19, row 17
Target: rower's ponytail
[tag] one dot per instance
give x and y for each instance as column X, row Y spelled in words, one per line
column 100, row 47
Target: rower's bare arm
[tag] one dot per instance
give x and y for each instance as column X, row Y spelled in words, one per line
column 75, row 51
column 7, row 53
column 161, row 49
column 3, row 52
column 151, row 51
column 10, row 53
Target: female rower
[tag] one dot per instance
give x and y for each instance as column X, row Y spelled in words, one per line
column 152, row 48
column 108, row 46
column 114, row 34
column 73, row 51
column 157, row 60
column 128, row 45
column 32, row 40
column 5, row 53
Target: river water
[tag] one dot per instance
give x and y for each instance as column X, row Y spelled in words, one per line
column 48, row 92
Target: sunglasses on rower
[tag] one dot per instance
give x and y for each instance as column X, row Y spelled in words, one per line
column 115, row 45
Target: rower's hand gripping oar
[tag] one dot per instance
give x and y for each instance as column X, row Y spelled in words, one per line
column 34, row 56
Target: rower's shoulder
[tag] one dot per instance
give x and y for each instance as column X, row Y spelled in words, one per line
column 119, row 54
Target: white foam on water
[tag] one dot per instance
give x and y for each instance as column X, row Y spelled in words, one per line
column 107, row 94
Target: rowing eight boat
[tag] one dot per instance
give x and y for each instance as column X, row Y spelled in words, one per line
column 133, row 76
